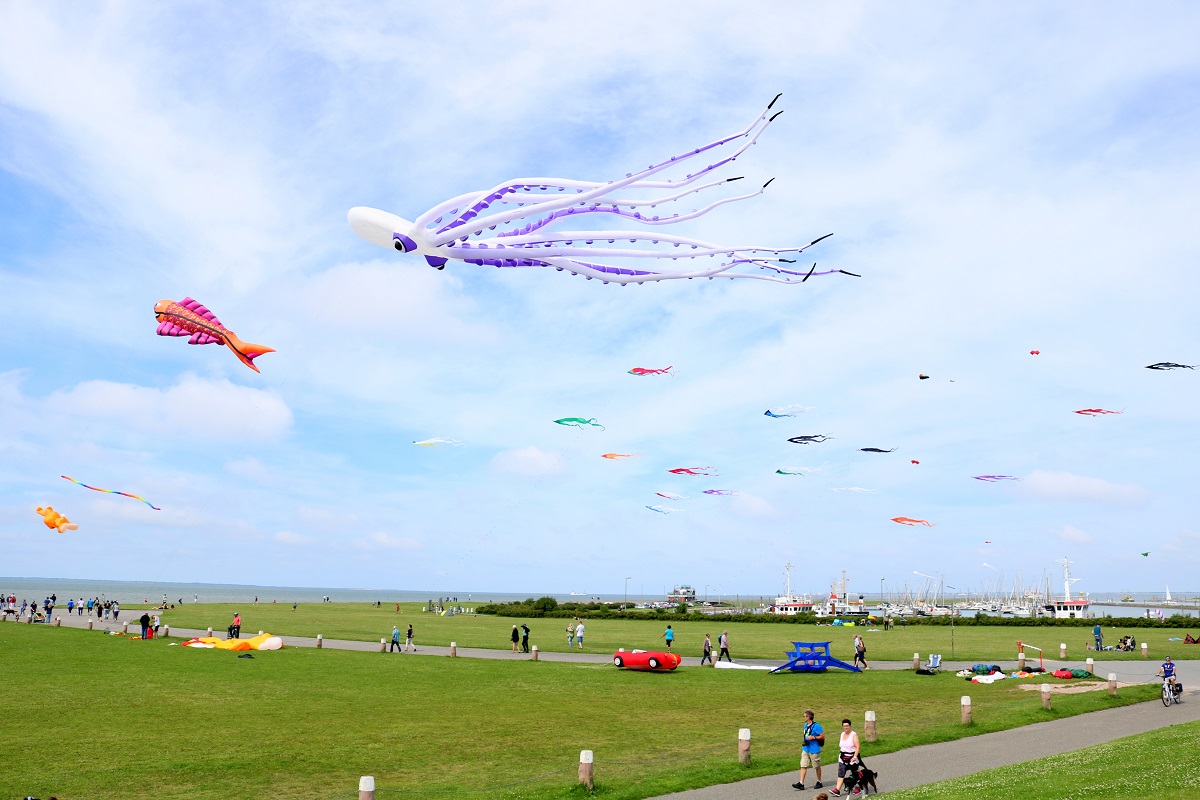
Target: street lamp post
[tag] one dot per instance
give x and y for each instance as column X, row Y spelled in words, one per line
column 881, row 580
column 625, row 602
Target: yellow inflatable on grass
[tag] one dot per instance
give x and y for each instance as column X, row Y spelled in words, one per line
column 264, row 641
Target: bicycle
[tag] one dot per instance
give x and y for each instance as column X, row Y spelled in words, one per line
column 1170, row 692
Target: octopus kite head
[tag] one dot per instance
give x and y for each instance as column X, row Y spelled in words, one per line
column 383, row 229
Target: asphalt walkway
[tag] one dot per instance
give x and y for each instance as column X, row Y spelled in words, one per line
column 900, row 770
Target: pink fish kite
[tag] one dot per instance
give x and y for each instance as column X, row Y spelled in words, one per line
column 911, row 521
column 721, row 492
column 642, row 371
column 615, row 456
column 190, row 318
column 694, row 471
column 1092, row 412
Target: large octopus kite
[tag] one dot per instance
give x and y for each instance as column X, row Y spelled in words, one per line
column 457, row 228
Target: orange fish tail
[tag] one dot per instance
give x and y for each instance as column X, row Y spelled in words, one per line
column 246, row 351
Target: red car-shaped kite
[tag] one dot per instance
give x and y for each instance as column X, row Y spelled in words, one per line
column 646, row 660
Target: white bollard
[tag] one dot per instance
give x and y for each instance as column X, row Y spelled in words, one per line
column 1062, row 650
column 89, row 624
column 586, row 768
column 1021, row 661
column 166, row 632
column 966, row 709
column 209, row 634
column 58, row 622
column 1112, row 684
column 124, row 627
column 260, row 633
column 870, row 726
column 1090, row 665
column 1046, row 696
column 535, row 652
column 382, row 645
column 453, row 649
column 1145, row 650
column 744, row 746
column 916, row 660
column 320, row 641
column 366, row 788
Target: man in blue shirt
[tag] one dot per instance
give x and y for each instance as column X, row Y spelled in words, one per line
column 810, row 752
column 1167, row 670
column 669, row 635
column 1099, row 636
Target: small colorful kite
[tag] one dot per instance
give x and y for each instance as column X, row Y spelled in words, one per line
column 994, row 478
column 615, row 456
column 876, row 450
column 1035, row 352
column 694, row 471
column 923, row 376
column 1171, row 365
column 794, row 470
column 1092, row 412
column 914, row 461
column 56, row 521
column 1146, row 553
column 911, row 521
column 190, row 318
column 720, row 492
column 664, row 509
column 435, row 441
column 819, row 437
column 786, row 411
column 578, row 422
column 671, row 495
column 110, row 491
column 641, row 371
column 987, row 541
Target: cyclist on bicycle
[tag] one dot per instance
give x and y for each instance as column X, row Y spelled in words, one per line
column 1167, row 672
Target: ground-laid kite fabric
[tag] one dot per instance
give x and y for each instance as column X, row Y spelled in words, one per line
column 262, row 642
column 579, row 422
column 112, row 491
column 460, row 228
column 189, row 318
column 643, row 371
column 55, row 520
column 911, row 521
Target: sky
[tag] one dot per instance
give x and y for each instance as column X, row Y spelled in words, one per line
column 1006, row 177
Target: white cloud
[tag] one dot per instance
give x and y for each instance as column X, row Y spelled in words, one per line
column 1073, row 535
column 529, row 462
column 1081, row 489
column 386, row 541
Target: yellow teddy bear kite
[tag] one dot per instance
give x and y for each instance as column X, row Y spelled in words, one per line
column 53, row 519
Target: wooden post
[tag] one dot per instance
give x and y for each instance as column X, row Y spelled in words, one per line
column 209, row 634
column 1021, row 661
column 1090, row 665
column 1112, row 684
column 870, row 726
column 166, row 634
column 916, row 660
column 1062, row 650
column 382, row 645
column 125, row 627
column 260, row 633
column 1145, row 650
column 744, row 746
column 366, row 788
column 535, row 652
column 586, row 765
column 320, row 641
column 453, row 649
column 58, row 622
column 966, row 709
column 1046, row 696
column 89, row 624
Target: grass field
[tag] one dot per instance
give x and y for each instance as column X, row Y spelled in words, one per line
column 98, row 716
column 747, row 640
column 1159, row 764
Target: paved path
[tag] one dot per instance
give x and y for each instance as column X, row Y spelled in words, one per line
column 911, row 767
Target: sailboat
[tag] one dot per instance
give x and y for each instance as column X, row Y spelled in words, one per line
column 1169, row 601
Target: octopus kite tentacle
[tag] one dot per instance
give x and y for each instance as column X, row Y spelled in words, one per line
column 455, row 229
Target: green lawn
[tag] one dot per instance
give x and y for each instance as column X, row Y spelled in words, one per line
column 1160, row 764
column 747, row 640
column 98, row 716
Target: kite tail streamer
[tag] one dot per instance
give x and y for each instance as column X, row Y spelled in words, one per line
column 112, row 491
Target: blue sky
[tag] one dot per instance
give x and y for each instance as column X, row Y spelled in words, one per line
column 1006, row 178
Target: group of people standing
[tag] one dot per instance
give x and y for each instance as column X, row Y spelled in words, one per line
column 32, row 609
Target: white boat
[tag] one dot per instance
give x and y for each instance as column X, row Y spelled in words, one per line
column 840, row 604
column 1067, row 607
column 787, row 603
column 1169, row 601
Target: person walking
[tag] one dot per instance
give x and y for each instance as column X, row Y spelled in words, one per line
column 860, row 651
column 810, row 751
column 516, row 638
column 849, row 750
column 579, row 634
column 408, row 640
column 669, row 636
column 706, row 651
column 1098, row 635
column 116, row 609
column 395, row 645
column 524, row 638
column 723, row 641
column 571, row 634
